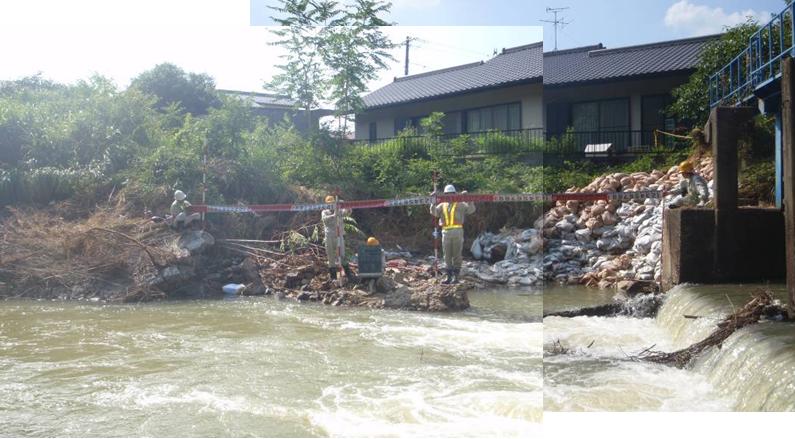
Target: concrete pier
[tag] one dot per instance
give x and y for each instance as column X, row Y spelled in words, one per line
column 691, row 247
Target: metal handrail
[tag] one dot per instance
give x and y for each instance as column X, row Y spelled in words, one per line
column 758, row 63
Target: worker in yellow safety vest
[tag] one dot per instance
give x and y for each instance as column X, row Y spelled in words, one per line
column 331, row 223
column 451, row 217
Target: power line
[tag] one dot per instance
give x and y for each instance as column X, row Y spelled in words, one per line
column 555, row 22
column 449, row 47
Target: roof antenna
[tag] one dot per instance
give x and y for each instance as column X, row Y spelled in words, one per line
column 556, row 22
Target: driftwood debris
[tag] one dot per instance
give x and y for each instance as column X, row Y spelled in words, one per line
column 640, row 306
column 761, row 305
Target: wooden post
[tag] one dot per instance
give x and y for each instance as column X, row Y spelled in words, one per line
column 788, row 128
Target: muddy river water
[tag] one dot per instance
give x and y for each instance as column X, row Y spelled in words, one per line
column 264, row 367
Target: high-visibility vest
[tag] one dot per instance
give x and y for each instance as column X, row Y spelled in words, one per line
column 449, row 217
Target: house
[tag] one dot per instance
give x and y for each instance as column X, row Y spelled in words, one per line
column 503, row 93
column 276, row 107
column 598, row 95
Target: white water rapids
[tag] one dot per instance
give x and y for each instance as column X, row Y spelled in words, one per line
column 261, row 367
column 753, row 371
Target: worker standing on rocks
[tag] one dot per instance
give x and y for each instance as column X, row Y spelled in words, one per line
column 692, row 190
column 452, row 216
column 331, row 223
column 180, row 211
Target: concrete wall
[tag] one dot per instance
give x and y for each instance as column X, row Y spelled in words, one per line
column 530, row 96
column 689, row 247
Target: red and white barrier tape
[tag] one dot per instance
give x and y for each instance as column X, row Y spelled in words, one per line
column 418, row 201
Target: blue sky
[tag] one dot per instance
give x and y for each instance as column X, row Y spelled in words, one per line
column 612, row 22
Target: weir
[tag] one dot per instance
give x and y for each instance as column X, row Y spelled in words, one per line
column 731, row 244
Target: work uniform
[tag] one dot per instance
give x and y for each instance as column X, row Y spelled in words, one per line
column 329, row 219
column 179, row 213
column 452, row 219
column 691, row 191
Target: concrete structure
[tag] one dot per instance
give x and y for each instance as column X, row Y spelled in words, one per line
column 276, row 108
column 605, row 95
column 691, row 248
column 725, row 244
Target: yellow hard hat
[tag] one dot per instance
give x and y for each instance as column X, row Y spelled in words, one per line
column 329, row 198
column 686, row 167
column 371, row 241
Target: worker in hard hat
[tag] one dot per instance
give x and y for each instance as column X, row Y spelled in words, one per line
column 330, row 225
column 451, row 217
column 180, row 211
column 692, row 189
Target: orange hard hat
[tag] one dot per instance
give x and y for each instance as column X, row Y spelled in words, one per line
column 371, row 241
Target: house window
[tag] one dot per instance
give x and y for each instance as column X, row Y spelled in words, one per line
column 373, row 131
column 498, row 117
column 408, row 122
column 653, row 117
column 602, row 122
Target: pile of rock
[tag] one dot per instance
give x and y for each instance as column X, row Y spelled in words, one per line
column 511, row 257
column 594, row 243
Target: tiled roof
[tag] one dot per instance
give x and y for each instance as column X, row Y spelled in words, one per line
column 594, row 63
column 260, row 100
column 562, row 67
column 511, row 66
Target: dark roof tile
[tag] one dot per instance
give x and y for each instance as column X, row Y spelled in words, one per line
column 517, row 64
column 528, row 63
column 593, row 63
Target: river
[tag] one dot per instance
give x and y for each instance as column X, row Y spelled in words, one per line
column 263, row 367
column 753, row 371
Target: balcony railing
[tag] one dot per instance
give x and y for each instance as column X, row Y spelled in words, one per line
column 531, row 141
column 757, row 63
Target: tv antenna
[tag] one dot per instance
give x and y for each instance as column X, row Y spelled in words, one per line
column 555, row 22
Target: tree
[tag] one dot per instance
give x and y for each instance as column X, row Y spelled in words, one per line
column 301, row 78
column 331, row 53
column 691, row 100
column 355, row 51
column 194, row 92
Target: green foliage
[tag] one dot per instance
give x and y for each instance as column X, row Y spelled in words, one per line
column 194, row 93
column 330, row 53
column 433, row 125
column 691, row 100
column 758, row 181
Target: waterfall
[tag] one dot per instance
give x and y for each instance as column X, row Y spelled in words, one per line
column 755, row 367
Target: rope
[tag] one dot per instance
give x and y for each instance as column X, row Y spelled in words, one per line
column 676, row 136
column 417, row 201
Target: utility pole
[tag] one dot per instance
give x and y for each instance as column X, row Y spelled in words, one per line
column 406, row 67
column 555, row 22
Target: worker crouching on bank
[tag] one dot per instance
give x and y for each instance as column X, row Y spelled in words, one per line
column 451, row 217
column 331, row 223
column 692, row 189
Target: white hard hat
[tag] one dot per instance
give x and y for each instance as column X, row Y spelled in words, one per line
column 449, row 189
column 179, row 195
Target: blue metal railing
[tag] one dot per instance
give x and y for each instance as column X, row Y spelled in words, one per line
column 758, row 63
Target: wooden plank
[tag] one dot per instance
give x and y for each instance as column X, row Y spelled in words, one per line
column 788, row 127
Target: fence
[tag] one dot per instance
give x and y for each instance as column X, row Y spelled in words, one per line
column 583, row 144
column 758, row 63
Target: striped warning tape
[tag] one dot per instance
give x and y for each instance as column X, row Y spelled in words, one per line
column 419, row 201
